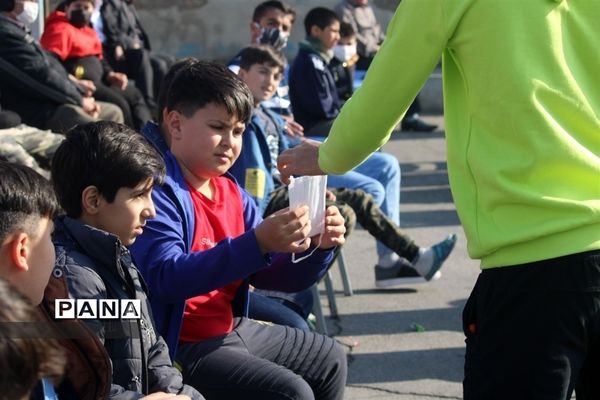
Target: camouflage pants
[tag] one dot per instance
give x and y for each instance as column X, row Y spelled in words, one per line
column 29, row 146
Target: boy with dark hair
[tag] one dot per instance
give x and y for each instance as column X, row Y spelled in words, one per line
column 103, row 174
column 208, row 243
column 256, row 168
column 27, row 207
column 316, row 104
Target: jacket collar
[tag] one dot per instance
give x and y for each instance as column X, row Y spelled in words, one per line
column 99, row 245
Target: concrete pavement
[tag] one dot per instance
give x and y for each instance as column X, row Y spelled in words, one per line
column 389, row 357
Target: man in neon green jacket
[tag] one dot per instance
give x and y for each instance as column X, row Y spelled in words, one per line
column 522, row 110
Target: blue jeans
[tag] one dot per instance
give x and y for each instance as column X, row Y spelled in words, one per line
column 378, row 175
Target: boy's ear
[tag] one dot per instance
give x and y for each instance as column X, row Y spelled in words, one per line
column 90, row 200
column 173, row 123
column 19, row 249
column 254, row 29
column 315, row 30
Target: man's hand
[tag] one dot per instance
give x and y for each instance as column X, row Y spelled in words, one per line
column 300, row 160
column 280, row 231
column 117, row 79
column 334, row 229
column 91, row 107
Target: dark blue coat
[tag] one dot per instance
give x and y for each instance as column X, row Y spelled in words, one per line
column 312, row 89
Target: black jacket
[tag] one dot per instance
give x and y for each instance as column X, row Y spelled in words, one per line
column 33, row 83
column 120, row 23
column 97, row 266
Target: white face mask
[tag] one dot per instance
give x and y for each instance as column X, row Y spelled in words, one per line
column 344, row 52
column 29, row 13
column 309, row 191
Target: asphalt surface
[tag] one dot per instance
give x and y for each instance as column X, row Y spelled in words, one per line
column 407, row 343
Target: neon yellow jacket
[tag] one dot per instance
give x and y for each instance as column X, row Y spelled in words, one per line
column 522, row 109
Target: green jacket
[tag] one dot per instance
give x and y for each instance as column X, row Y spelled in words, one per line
column 522, row 109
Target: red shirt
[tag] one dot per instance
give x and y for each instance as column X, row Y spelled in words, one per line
column 68, row 41
column 211, row 314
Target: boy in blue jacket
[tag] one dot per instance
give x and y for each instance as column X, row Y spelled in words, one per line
column 208, row 242
column 255, row 169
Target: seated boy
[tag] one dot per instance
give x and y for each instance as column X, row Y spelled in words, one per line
column 27, row 206
column 69, row 37
column 37, row 86
column 103, row 174
column 256, row 169
column 209, row 242
column 316, row 104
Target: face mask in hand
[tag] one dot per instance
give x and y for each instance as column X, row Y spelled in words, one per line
column 29, row 13
column 344, row 52
column 80, row 17
column 272, row 36
column 310, row 191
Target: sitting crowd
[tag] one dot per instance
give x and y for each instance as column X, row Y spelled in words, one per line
column 189, row 217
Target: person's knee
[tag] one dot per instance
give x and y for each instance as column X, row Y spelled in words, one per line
column 391, row 166
column 111, row 112
column 297, row 389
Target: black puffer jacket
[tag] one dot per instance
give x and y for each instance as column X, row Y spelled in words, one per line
column 97, row 266
column 33, row 82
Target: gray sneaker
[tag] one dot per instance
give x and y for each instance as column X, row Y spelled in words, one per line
column 401, row 273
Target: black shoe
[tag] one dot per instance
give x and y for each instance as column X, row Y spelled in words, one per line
column 401, row 273
column 417, row 125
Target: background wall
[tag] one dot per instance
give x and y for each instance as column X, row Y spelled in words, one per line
column 218, row 29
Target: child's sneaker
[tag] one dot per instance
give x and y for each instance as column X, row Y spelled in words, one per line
column 401, row 273
column 441, row 251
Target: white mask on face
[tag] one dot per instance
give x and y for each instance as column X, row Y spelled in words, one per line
column 29, row 13
column 309, row 191
column 344, row 52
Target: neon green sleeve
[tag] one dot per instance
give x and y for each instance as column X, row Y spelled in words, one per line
column 415, row 41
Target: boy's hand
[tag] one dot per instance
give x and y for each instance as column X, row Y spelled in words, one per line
column 279, row 231
column 334, row 229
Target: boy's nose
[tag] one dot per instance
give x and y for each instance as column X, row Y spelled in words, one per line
column 150, row 211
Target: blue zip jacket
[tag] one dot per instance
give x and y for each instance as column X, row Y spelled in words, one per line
column 174, row 273
column 253, row 167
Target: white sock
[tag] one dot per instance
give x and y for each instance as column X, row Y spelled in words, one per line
column 388, row 260
column 423, row 261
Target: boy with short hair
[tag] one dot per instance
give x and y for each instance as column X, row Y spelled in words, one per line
column 27, row 207
column 103, row 174
column 209, row 242
column 316, row 104
column 256, row 169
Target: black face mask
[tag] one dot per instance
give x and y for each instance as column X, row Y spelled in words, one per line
column 80, row 17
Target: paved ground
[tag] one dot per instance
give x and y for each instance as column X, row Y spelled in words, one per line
column 391, row 359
